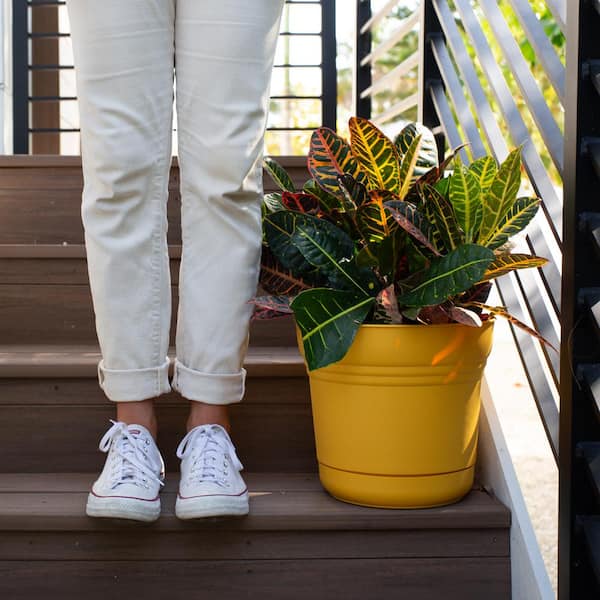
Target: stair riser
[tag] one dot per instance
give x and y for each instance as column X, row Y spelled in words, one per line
column 55, row 425
column 64, row 314
column 275, row 579
column 43, row 205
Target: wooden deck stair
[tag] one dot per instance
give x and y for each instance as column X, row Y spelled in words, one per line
column 297, row 542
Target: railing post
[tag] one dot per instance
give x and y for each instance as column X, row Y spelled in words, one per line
column 579, row 347
column 429, row 73
column 362, row 47
column 20, row 83
column 329, row 67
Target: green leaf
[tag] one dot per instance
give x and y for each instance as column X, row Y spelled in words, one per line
column 413, row 222
column 375, row 153
column 278, row 174
column 505, row 263
column 278, row 228
column 485, row 170
column 428, row 152
column 328, row 320
column 514, row 221
column 322, row 245
column 444, row 218
column 465, row 197
column 374, row 221
column 330, row 155
column 354, row 192
column 272, row 201
column 501, row 194
column 328, row 201
column 449, row 275
column 408, row 166
column 276, row 279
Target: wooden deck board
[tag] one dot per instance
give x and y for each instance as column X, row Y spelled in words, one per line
column 274, row 506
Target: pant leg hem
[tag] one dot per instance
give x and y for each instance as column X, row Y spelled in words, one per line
column 131, row 385
column 211, row 388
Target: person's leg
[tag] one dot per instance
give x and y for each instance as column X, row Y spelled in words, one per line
column 124, row 65
column 224, row 54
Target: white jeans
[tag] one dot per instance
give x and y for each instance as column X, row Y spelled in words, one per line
column 126, row 54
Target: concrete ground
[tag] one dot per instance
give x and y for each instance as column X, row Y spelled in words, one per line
column 535, row 466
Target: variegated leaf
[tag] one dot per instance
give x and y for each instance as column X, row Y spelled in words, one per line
column 278, row 280
column 408, row 166
column 376, row 154
column 485, row 169
column 330, row 155
column 278, row 174
column 465, row 197
column 428, row 153
column 327, row 201
column 501, row 311
column 464, row 316
column 272, row 201
column 444, row 218
column 355, row 192
column 449, row 275
column 413, row 222
column 300, row 201
column 501, row 194
column 374, row 221
column 515, row 220
column 387, row 299
column 270, row 307
column 505, row 263
column 328, row 321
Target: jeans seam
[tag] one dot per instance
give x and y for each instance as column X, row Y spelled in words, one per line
column 156, row 259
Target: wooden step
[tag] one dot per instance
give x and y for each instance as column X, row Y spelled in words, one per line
column 297, row 542
column 40, row 198
column 45, row 297
column 53, row 411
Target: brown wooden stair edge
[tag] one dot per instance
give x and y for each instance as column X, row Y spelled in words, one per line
column 277, row 501
column 12, row 161
column 77, row 360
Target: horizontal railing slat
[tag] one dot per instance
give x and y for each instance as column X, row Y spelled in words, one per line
column 396, row 36
column 397, row 72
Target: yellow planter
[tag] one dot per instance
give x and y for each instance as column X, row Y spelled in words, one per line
column 396, row 419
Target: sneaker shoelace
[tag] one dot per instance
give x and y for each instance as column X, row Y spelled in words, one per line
column 206, row 446
column 130, row 463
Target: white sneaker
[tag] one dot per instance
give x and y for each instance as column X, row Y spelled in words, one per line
column 210, row 484
column 128, row 486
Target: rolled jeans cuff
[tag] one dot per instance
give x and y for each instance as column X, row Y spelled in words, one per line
column 131, row 385
column 211, row 388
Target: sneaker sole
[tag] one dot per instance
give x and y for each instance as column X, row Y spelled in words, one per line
column 211, row 506
column 122, row 508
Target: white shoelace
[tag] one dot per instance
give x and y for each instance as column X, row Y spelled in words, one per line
column 133, row 463
column 211, row 443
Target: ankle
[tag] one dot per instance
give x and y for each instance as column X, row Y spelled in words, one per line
column 204, row 414
column 139, row 413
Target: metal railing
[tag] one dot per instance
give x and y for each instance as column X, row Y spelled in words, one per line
column 493, row 74
column 39, row 35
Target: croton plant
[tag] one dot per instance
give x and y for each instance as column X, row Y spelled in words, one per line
column 383, row 232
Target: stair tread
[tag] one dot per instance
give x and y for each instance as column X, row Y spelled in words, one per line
column 81, row 360
column 279, row 501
